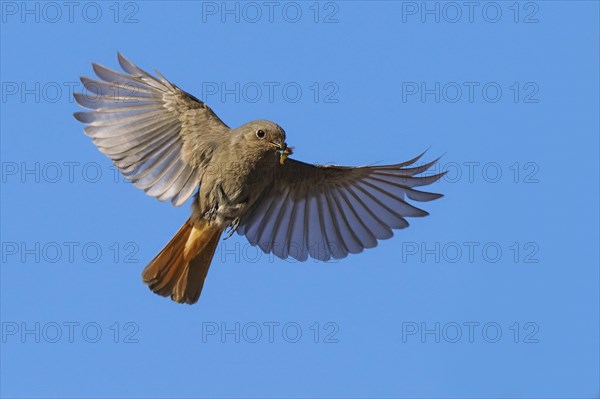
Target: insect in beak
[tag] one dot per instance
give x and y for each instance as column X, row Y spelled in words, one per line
column 285, row 153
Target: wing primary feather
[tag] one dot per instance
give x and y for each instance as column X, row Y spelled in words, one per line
column 368, row 210
column 334, row 222
column 157, row 169
column 305, row 231
column 110, row 75
column 296, row 245
column 421, row 196
column 349, row 228
column 277, row 223
column 123, row 109
column 404, row 171
column 410, row 161
column 321, row 220
column 100, row 103
column 409, row 181
column 101, row 87
column 124, row 133
column 372, row 240
column 290, row 229
column 188, row 189
column 133, row 69
column 416, row 212
column 260, row 226
column 253, row 222
column 413, row 194
column 137, row 150
column 105, row 119
column 165, row 180
column 165, row 81
column 177, row 184
column 138, row 167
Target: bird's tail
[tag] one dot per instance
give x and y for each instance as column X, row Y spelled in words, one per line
column 180, row 268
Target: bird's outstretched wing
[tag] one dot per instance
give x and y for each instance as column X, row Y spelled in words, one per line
column 160, row 137
column 330, row 211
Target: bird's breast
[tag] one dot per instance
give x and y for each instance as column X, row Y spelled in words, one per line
column 230, row 192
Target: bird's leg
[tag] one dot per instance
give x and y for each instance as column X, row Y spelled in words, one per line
column 232, row 227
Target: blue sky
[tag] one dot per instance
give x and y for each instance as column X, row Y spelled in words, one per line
column 495, row 294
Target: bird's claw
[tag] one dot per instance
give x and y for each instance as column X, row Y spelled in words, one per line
column 211, row 214
column 232, row 227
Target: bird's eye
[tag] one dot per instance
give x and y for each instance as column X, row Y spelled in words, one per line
column 260, row 134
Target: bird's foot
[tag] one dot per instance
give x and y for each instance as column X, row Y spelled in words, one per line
column 211, row 214
column 232, row 227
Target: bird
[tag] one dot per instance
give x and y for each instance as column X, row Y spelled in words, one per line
column 173, row 146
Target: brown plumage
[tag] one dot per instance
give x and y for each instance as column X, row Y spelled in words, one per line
column 170, row 144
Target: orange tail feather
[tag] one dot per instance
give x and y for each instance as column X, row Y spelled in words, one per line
column 179, row 270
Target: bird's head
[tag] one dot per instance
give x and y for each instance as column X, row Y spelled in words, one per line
column 265, row 136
